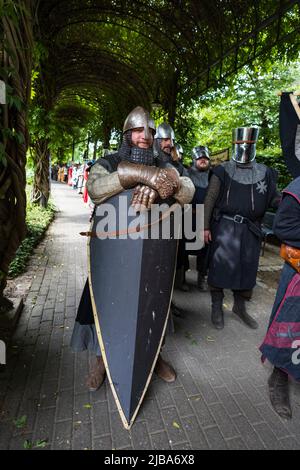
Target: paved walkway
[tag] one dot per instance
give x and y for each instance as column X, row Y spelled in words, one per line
column 219, row 400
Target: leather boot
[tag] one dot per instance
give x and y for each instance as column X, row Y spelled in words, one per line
column 96, row 376
column 239, row 309
column 176, row 311
column 200, row 281
column 217, row 314
column 180, row 280
column 164, row 370
column 279, row 393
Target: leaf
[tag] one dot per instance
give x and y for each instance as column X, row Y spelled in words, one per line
column 27, row 444
column 20, row 422
column 87, row 406
column 176, row 425
column 41, row 443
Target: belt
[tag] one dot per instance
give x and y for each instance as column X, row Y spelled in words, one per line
column 239, row 219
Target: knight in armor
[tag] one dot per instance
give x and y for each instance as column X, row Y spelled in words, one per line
column 133, row 166
column 200, row 173
column 282, row 341
column 239, row 193
column 177, row 152
column 166, row 150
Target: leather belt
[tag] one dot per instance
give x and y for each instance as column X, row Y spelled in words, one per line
column 238, row 219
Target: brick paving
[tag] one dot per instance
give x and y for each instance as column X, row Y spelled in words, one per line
column 219, row 400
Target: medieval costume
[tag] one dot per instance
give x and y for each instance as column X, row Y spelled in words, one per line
column 80, row 179
column 200, row 174
column 70, row 173
column 164, row 149
column 85, row 178
column 239, row 194
column 284, row 325
column 282, row 341
column 60, row 174
column 131, row 166
column 66, row 173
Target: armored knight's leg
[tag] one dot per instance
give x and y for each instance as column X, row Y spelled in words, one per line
column 200, row 281
column 176, row 311
column 239, row 307
column 97, row 375
column 164, row 370
column 279, row 393
column 217, row 314
column 180, row 282
column 201, row 269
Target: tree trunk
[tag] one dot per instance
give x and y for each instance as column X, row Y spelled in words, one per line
column 107, row 134
column 18, row 56
column 172, row 104
column 95, row 149
column 88, row 147
column 41, row 185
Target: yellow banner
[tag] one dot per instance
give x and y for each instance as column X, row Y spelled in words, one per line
column 220, row 156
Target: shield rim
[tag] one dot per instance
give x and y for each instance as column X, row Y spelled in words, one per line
column 127, row 425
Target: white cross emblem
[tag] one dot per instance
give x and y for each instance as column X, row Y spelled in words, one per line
column 262, row 187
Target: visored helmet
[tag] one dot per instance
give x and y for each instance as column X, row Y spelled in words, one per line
column 200, row 151
column 244, row 144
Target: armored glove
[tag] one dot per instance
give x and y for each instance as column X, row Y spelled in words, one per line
column 164, row 180
column 143, row 197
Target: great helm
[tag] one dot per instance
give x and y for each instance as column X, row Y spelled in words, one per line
column 200, row 152
column 244, row 144
column 165, row 131
column 139, row 117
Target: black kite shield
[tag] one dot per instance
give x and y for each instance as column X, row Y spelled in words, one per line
column 131, row 280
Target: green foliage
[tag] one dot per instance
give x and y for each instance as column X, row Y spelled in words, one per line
column 37, row 220
column 277, row 162
column 28, row 445
column 250, row 98
column 20, row 422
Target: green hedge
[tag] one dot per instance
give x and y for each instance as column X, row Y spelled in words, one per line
column 38, row 220
column 277, row 162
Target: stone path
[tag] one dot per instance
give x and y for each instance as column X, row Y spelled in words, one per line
column 219, row 400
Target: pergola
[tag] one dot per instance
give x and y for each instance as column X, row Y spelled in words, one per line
column 157, row 51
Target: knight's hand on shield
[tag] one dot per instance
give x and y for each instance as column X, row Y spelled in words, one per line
column 143, row 198
column 164, row 180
